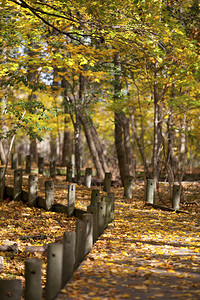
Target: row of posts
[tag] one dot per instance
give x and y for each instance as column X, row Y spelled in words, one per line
column 151, row 196
column 32, row 198
column 17, row 160
column 63, row 258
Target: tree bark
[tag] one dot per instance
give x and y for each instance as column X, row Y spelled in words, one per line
column 122, row 133
column 171, row 162
column 2, row 154
column 66, row 148
column 77, row 138
column 141, row 149
column 157, row 136
column 92, row 146
column 33, row 149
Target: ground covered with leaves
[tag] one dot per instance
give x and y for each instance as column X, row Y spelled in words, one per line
column 143, row 254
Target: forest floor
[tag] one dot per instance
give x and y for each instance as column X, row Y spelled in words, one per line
column 143, row 254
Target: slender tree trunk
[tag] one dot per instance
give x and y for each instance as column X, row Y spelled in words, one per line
column 53, row 146
column 2, row 154
column 171, row 163
column 183, row 147
column 155, row 161
column 141, row 149
column 122, row 132
column 92, row 147
column 33, row 149
column 130, row 165
column 99, row 147
column 120, row 148
column 77, row 139
column 66, row 148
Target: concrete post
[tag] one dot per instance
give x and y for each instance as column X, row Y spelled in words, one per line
column 10, row 289
column 71, row 199
column 107, row 182
column 128, row 187
column 95, row 197
column 88, row 232
column 88, row 177
column 54, row 270
column 33, row 279
column 33, row 189
column 69, row 241
column 150, row 191
column 176, row 195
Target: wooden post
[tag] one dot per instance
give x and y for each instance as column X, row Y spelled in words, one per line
column 150, row 191
column 71, row 199
column 128, row 187
column 49, row 194
column 176, row 195
column 69, row 241
column 88, row 177
column 88, row 232
column 54, row 270
column 107, row 182
column 95, row 197
column 10, row 289
column 28, row 164
column 33, row 189
column 33, row 279
column 2, row 182
column 40, row 164
column 17, row 193
column 69, row 172
column 14, row 161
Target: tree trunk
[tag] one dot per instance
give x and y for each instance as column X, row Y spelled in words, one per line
column 98, row 145
column 53, row 146
column 2, row 154
column 120, row 148
column 33, row 149
column 157, row 137
column 122, row 132
column 183, row 147
column 66, row 148
column 141, row 149
column 77, row 139
column 171, row 162
column 130, row 166
column 92, row 147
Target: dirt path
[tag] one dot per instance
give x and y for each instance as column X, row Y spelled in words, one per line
column 144, row 254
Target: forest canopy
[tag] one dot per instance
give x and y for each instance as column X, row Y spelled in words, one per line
column 87, row 75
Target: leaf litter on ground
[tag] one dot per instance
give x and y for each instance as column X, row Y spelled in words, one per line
column 144, row 253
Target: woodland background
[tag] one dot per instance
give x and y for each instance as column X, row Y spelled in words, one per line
column 114, row 82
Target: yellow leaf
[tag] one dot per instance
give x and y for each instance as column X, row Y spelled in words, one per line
column 125, row 296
